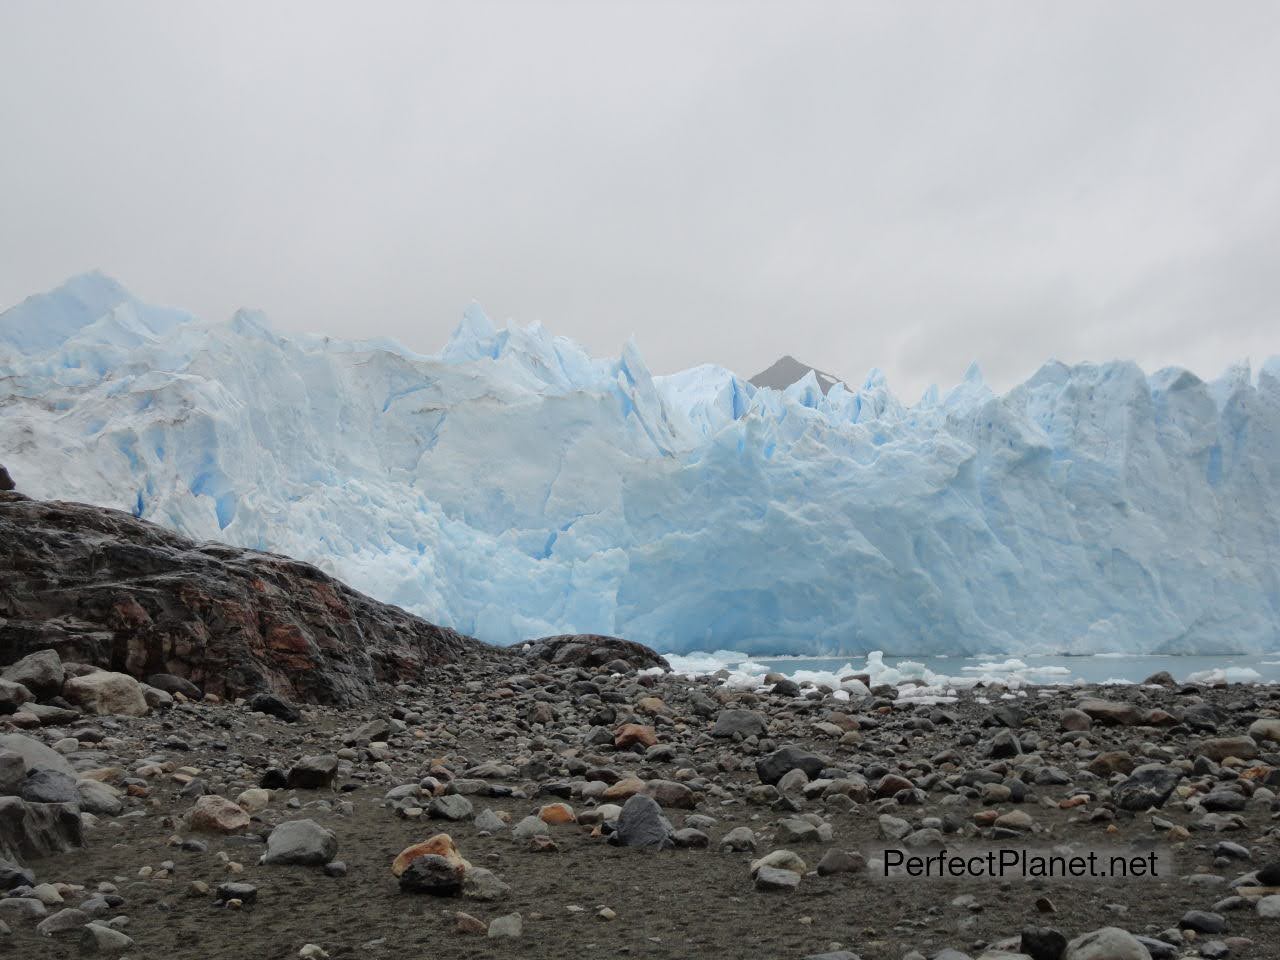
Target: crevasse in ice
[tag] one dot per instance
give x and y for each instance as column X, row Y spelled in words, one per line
column 513, row 486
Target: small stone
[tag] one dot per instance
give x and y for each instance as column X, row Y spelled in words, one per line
column 510, row 926
column 245, row 893
column 776, row 879
column 840, row 861
column 466, row 923
column 101, row 940
column 1202, row 921
column 452, row 806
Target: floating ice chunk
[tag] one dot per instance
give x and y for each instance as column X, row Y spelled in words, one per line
column 1227, row 675
column 1006, row 666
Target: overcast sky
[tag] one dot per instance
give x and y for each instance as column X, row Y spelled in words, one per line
column 903, row 185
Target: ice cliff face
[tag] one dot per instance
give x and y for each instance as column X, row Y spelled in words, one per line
column 513, row 486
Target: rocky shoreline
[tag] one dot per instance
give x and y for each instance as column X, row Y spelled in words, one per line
column 510, row 805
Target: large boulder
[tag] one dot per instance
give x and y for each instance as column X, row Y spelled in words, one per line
column 100, row 799
column 641, row 824
column 49, row 786
column 1265, row 730
column 593, row 650
column 748, row 723
column 1150, row 785
column 103, row 692
column 13, row 771
column 1113, row 712
column 12, row 875
column 1219, row 748
column 432, row 874
column 40, row 672
column 215, row 814
column 35, row 755
column 1109, row 943
column 313, row 773
column 171, row 684
column 439, row 845
column 6, row 481
column 776, row 765
column 300, row 842
column 32, row 830
column 274, row 706
column 13, row 696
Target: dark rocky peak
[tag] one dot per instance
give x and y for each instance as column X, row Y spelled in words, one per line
column 786, row 371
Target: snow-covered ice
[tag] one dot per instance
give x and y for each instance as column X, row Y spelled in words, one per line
column 513, row 486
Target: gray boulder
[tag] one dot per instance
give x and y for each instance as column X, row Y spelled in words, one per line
column 100, row 799
column 13, row 696
column 32, row 830
column 12, row 772
column 171, row 684
column 35, row 755
column 772, row 768
column 68, row 920
column 12, row 875
column 1108, row 943
column 49, row 786
column 313, row 773
column 301, row 843
column 1150, row 785
column 453, row 806
column 99, row 940
column 641, row 824
column 749, row 723
column 41, row 672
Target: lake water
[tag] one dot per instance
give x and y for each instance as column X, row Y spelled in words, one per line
column 1263, row 668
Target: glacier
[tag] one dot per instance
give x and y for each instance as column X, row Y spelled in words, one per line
column 513, row 486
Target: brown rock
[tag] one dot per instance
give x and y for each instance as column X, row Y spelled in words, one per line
column 215, row 814
column 1073, row 720
column 631, row 734
column 669, row 793
column 1113, row 712
column 556, row 813
column 624, row 789
column 466, row 923
column 1218, row 749
column 1114, row 761
column 440, row 845
column 890, row 784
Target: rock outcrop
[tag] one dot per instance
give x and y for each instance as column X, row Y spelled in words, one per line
column 104, row 588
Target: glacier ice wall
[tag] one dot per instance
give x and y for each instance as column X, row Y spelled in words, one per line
column 513, row 486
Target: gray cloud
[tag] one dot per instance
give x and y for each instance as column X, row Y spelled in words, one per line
column 909, row 186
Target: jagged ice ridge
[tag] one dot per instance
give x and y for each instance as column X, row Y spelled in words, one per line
column 512, row 486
